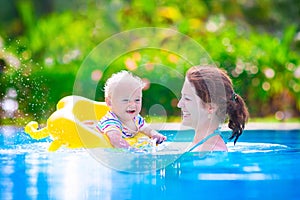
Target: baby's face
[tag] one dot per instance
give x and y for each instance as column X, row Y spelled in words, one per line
column 126, row 100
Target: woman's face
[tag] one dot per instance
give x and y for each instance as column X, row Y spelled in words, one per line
column 194, row 113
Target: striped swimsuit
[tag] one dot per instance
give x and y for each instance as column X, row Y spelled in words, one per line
column 111, row 122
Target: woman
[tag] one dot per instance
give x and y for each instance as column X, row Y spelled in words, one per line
column 207, row 99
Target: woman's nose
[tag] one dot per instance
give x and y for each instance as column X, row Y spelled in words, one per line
column 179, row 104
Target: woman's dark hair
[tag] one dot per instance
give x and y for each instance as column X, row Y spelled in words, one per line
column 213, row 85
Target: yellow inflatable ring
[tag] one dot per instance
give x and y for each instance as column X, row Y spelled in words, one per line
column 69, row 125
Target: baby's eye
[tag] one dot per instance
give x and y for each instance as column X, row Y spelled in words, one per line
column 137, row 100
column 125, row 100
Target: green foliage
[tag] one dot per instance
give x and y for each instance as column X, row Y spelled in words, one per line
column 44, row 44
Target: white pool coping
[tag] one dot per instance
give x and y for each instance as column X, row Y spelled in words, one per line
column 248, row 126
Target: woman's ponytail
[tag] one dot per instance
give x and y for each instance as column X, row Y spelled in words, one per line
column 238, row 116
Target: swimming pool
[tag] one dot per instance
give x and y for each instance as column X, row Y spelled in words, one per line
column 263, row 165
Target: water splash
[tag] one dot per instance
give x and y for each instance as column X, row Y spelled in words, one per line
column 23, row 90
column 9, row 103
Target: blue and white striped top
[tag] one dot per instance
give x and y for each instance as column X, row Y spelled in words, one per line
column 111, row 122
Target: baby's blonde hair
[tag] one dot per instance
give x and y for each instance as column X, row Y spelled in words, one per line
column 117, row 77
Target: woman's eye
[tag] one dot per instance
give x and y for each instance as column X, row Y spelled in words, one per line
column 185, row 98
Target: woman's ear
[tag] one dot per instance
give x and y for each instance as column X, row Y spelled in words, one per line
column 212, row 108
column 108, row 101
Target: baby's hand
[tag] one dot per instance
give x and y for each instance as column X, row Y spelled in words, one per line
column 159, row 138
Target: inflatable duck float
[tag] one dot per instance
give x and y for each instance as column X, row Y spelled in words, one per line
column 72, row 125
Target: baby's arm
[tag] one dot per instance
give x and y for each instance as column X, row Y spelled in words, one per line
column 116, row 139
column 153, row 134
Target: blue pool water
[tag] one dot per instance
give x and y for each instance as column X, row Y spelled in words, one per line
column 264, row 164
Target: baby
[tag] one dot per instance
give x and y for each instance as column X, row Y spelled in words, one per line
column 123, row 94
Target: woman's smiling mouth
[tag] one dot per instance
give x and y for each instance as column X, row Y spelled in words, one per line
column 185, row 114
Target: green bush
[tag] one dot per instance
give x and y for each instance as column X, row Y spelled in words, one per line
column 49, row 43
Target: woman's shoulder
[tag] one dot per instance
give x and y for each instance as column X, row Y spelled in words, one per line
column 220, row 145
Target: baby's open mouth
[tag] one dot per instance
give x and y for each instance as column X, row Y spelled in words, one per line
column 130, row 111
